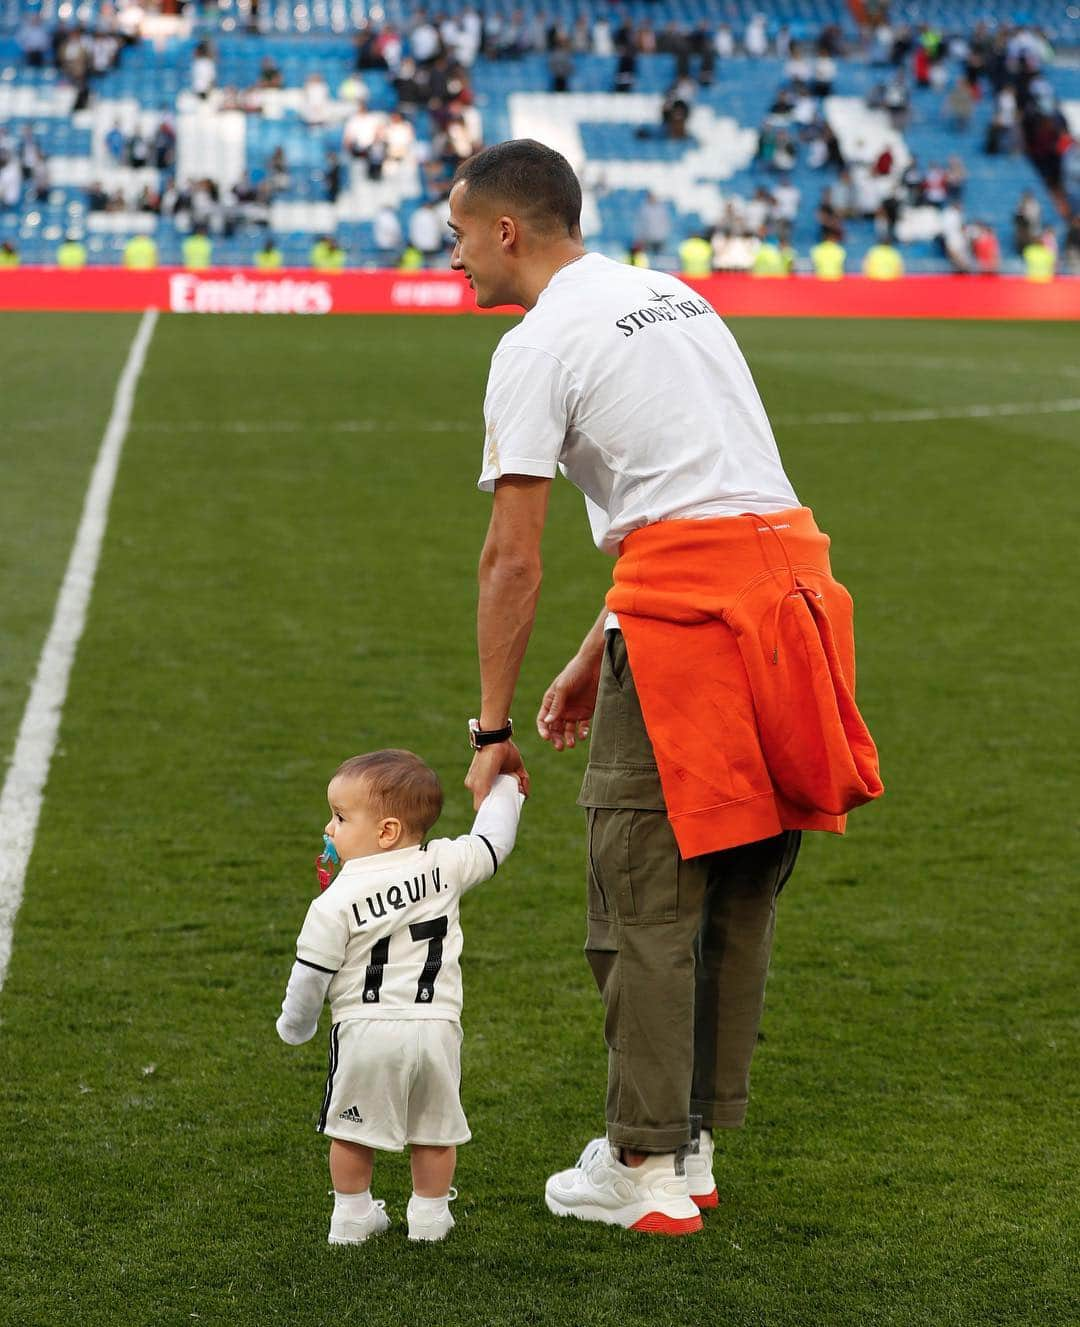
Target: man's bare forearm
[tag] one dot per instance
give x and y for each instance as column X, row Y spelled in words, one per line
column 592, row 646
column 506, row 610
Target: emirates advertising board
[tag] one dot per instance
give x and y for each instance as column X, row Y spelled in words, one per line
column 305, row 293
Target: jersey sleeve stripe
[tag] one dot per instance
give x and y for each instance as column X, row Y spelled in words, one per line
column 494, row 859
column 317, row 966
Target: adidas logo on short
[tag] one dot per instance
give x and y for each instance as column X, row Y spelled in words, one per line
column 352, row 1115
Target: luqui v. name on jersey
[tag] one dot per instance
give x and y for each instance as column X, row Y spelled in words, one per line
column 388, row 929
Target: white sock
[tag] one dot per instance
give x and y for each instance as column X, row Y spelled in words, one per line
column 353, row 1206
column 428, row 1207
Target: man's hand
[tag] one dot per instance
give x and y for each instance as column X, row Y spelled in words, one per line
column 569, row 702
column 491, row 761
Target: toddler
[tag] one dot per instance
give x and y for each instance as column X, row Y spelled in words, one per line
column 383, row 943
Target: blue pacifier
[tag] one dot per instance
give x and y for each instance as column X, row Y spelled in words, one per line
column 326, row 861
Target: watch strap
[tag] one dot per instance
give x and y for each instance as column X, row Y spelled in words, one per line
column 479, row 737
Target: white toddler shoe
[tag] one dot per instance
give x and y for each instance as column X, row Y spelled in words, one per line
column 429, row 1218
column 349, row 1229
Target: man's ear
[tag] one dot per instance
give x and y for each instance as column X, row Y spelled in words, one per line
column 508, row 232
column 390, row 831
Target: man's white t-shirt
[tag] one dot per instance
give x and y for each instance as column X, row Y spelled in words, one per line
column 629, row 382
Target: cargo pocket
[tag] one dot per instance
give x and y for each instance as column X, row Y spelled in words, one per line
column 634, row 864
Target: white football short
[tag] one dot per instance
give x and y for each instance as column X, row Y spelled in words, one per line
column 395, row 1081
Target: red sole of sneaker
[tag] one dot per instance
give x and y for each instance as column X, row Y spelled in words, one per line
column 656, row 1223
column 707, row 1199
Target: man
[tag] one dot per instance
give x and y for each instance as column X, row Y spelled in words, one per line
column 140, row 253
column 696, row 256
column 883, row 262
column 361, row 130
column 197, row 250
column 425, row 231
column 327, row 255
column 269, row 258
column 653, row 225
column 1040, row 257
column 828, row 257
column 629, row 382
column 71, row 254
column 769, row 259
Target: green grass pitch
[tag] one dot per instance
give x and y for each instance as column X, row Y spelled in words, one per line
column 287, row 579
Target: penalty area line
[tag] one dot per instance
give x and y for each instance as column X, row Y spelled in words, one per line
column 933, row 414
column 1068, row 405
column 24, row 786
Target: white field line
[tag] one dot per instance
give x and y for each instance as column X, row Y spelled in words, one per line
column 998, row 410
column 872, row 359
column 24, row 786
column 978, row 410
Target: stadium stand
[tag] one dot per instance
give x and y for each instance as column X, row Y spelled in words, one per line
column 921, row 122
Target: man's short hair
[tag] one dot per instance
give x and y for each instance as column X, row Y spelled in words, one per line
column 398, row 784
column 528, row 178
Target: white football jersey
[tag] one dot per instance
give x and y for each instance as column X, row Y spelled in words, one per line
column 388, row 929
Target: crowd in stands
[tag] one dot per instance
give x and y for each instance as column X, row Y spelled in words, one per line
column 82, row 53
column 436, row 124
column 1003, row 64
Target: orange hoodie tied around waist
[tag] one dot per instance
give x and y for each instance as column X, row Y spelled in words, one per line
column 741, row 646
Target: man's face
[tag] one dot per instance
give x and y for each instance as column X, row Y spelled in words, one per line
column 478, row 249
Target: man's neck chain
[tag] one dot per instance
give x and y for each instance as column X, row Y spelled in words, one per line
column 576, row 259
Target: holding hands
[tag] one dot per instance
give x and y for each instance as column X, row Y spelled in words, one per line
column 491, row 761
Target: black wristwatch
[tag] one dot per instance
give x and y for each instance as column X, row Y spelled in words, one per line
column 479, row 738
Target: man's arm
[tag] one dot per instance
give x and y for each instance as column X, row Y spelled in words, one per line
column 509, row 587
column 569, row 702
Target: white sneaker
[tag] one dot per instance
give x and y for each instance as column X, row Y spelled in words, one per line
column 699, row 1176
column 652, row 1197
column 354, row 1230
column 423, row 1225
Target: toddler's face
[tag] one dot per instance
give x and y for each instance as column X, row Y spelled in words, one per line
column 354, row 826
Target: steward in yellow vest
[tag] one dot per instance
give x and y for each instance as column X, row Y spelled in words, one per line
column 9, row 255
column 828, row 259
column 769, row 261
column 327, row 255
column 140, row 252
column 197, row 251
column 883, row 263
column 269, row 257
column 412, row 260
column 1039, row 260
column 695, row 256
column 71, row 254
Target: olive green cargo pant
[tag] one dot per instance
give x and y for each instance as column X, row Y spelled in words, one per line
column 679, row 949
